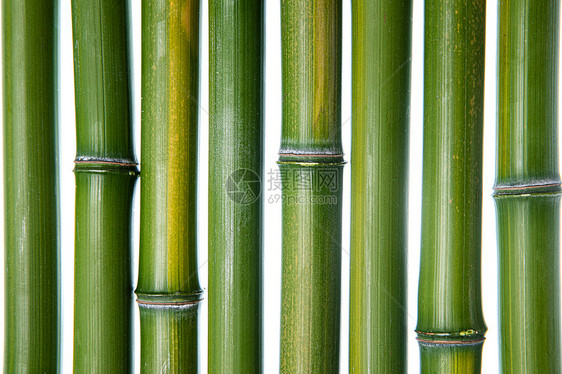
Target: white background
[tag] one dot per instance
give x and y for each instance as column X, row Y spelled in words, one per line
column 272, row 224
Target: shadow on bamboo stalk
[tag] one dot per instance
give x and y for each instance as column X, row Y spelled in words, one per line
column 379, row 177
column 451, row 326
column 168, row 290
column 527, row 189
column 31, row 202
column 311, row 165
column 106, row 173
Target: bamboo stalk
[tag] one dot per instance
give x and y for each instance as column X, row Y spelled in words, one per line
column 31, row 202
column 451, row 327
column 235, row 175
column 379, row 177
column 168, row 290
column 106, row 172
column 311, row 167
column 527, row 188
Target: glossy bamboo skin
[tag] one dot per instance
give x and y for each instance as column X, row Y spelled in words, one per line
column 450, row 358
column 379, row 177
column 173, row 333
column 311, row 165
column 527, row 189
column 106, row 173
column 529, row 273
column 235, row 185
column 311, row 67
column 310, row 301
column 31, row 178
column 103, row 321
column 168, row 290
column 450, row 322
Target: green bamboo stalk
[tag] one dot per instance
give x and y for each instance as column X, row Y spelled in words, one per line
column 527, row 188
column 451, row 326
column 106, row 172
column 168, row 290
column 379, row 218
column 31, row 178
column 235, row 175
column 311, row 167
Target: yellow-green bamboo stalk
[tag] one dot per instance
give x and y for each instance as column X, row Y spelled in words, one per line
column 379, row 180
column 236, row 70
column 311, row 164
column 527, row 189
column 106, row 173
column 451, row 326
column 168, row 290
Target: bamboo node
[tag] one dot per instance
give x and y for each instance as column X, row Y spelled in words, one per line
column 464, row 337
column 449, row 343
column 311, row 159
column 168, row 300
column 106, row 161
column 92, row 165
column 157, row 305
column 534, row 188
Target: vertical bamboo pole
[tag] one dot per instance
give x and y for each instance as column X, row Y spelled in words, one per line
column 451, row 327
column 105, row 172
column 168, row 290
column 311, row 165
column 235, row 174
column 31, row 210
column 527, row 189
column 379, row 217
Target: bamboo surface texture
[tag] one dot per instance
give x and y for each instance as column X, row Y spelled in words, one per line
column 106, row 172
column 311, row 167
column 31, row 205
column 527, row 188
column 235, row 185
column 379, row 178
column 451, row 326
column 168, row 289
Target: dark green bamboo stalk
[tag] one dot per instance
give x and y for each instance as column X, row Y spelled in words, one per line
column 451, row 327
column 379, row 218
column 106, row 172
column 311, row 165
column 31, row 207
column 168, row 290
column 235, row 174
column 527, row 189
